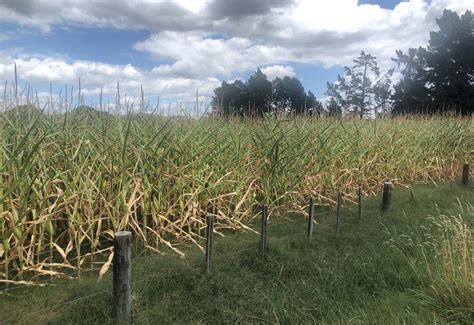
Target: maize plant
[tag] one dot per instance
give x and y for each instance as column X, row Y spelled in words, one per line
column 69, row 181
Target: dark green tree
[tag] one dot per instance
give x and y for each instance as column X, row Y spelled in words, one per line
column 450, row 61
column 289, row 95
column 411, row 94
column 363, row 91
column 260, row 94
column 440, row 77
column 295, row 94
column 231, row 99
column 258, row 97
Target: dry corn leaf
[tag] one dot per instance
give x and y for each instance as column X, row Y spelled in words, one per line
column 106, row 266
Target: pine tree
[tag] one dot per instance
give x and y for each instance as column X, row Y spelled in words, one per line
column 440, row 77
column 363, row 90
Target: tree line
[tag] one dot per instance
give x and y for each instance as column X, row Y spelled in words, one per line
column 434, row 79
column 258, row 96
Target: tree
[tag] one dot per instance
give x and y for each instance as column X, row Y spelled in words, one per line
column 450, row 61
column 279, row 102
column 295, row 95
column 313, row 105
column 334, row 109
column 363, row 90
column 441, row 76
column 411, row 94
column 231, row 98
column 258, row 96
column 289, row 94
column 260, row 93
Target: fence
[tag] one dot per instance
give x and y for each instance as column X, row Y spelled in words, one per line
column 122, row 259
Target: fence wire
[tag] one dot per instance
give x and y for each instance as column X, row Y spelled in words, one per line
column 279, row 223
column 271, row 225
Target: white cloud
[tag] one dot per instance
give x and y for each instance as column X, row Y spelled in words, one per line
column 278, row 71
column 339, row 16
column 95, row 75
column 314, row 32
column 210, row 40
column 194, row 6
column 199, row 54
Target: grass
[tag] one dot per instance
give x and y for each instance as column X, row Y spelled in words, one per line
column 400, row 266
column 68, row 181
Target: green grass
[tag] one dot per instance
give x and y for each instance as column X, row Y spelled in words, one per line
column 365, row 274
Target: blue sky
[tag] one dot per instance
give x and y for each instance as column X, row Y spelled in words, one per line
column 173, row 48
column 388, row 4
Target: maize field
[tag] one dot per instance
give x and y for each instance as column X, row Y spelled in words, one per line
column 69, row 181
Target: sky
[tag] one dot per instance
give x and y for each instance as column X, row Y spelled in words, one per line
column 175, row 48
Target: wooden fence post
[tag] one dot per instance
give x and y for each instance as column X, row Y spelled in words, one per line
column 465, row 174
column 387, row 195
column 359, row 192
column 263, row 230
column 209, row 237
column 310, row 218
column 338, row 211
column 122, row 263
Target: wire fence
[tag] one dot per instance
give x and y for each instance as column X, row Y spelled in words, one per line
column 281, row 222
column 278, row 222
column 275, row 222
column 43, row 310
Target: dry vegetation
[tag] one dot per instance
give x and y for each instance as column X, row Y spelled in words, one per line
column 70, row 180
